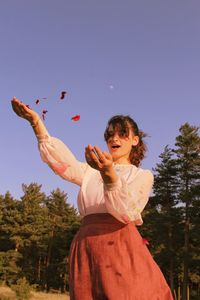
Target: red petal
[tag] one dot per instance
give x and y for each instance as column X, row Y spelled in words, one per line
column 44, row 111
column 37, row 101
column 62, row 95
column 76, row 118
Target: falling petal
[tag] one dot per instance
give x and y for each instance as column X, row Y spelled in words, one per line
column 44, row 98
column 76, row 118
column 44, row 113
column 37, row 101
column 62, row 96
column 28, row 106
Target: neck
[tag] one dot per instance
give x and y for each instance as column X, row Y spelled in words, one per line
column 122, row 162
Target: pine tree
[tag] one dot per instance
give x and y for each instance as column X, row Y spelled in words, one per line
column 63, row 218
column 9, row 257
column 188, row 162
column 33, row 231
column 35, row 237
column 162, row 217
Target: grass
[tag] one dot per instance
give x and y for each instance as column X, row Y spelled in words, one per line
column 7, row 294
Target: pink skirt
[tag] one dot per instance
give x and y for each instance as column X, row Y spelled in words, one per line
column 109, row 261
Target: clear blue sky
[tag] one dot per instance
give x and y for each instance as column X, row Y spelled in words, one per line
column 149, row 51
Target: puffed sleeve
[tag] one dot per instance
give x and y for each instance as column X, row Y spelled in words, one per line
column 126, row 200
column 60, row 159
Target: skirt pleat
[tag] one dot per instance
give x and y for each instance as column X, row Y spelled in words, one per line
column 109, row 261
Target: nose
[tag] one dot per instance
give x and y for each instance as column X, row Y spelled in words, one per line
column 115, row 137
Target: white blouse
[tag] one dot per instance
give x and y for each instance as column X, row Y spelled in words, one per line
column 124, row 199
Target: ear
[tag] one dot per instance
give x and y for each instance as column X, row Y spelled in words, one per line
column 135, row 140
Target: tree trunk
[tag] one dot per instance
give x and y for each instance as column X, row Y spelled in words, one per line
column 186, row 253
column 171, row 262
column 39, row 269
column 188, row 292
column 48, row 259
column 174, row 294
column 179, row 293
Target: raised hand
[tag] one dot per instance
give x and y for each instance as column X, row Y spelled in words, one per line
column 101, row 161
column 97, row 159
column 24, row 111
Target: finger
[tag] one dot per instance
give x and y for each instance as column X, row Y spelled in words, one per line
column 88, row 158
column 90, row 147
column 87, row 154
column 87, row 150
column 20, row 109
column 98, row 150
column 94, row 156
column 15, row 101
column 107, row 155
column 14, row 98
column 91, row 161
column 90, row 150
column 100, row 154
column 16, row 108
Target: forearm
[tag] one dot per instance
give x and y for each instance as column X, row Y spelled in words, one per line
column 38, row 127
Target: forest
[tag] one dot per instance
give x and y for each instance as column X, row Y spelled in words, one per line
column 36, row 230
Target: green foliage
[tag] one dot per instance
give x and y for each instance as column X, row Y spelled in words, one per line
column 188, row 162
column 172, row 214
column 162, row 217
column 22, row 289
column 35, row 236
column 9, row 269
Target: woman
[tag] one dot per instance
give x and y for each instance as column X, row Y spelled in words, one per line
column 108, row 259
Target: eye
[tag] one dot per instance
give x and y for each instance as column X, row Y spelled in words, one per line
column 123, row 135
column 109, row 136
column 124, row 132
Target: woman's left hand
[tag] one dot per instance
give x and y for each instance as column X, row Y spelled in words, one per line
column 97, row 159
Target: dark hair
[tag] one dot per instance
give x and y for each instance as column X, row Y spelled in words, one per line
column 123, row 124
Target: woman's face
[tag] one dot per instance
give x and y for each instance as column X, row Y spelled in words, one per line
column 120, row 146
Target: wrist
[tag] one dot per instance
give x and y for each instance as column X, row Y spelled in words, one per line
column 109, row 175
column 35, row 122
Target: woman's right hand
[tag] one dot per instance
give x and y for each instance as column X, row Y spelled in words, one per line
column 24, row 111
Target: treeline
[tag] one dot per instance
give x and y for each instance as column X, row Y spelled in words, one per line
column 35, row 236
column 36, row 231
column 172, row 216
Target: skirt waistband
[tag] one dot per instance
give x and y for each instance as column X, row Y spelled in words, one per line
column 101, row 218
